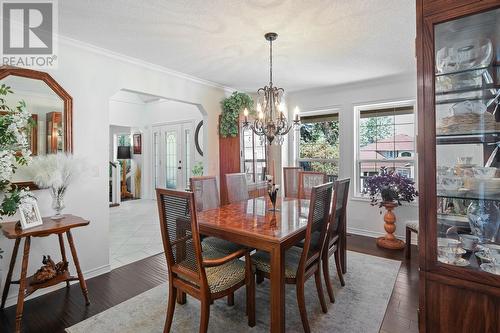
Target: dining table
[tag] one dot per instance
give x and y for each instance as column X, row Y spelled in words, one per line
column 254, row 224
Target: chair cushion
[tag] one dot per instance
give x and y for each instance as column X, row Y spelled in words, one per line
column 413, row 225
column 224, row 276
column 219, row 245
column 262, row 259
column 314, row 239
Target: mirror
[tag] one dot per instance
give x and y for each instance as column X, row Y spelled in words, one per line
column 51, row 109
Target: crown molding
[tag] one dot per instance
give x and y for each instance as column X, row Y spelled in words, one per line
column 138, row 62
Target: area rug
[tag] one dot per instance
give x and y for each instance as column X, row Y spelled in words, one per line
column 359, row 307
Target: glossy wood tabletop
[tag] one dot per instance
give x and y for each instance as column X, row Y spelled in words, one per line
column 252, row 224
column 12, row 230
column 254, row 219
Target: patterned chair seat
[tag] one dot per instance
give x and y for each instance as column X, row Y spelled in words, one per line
column 262, row 259
column 214, row 244
column 222, row 277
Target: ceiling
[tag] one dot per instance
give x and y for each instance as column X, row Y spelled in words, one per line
column 320, row 43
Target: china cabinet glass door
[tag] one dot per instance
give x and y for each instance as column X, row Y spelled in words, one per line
column 467, row 92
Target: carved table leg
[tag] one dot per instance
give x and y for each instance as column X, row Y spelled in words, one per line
column 9, row 274
column 22, row 284
column 63, row 252
column 83, row 284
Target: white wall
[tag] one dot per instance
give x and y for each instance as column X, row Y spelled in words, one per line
column 91, row 76
column 362, row 218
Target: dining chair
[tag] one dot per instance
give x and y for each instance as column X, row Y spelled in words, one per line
column 206, row 275
column 291, row 180
column 206, row 196
column 237, row 187
column 309, row 179
column 337, row 228
column 302, row 263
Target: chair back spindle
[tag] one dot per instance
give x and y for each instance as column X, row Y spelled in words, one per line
column 181, row 240
column 339, row 207
column 237, row 187
column 291, row 179
column 317, row 223
column 206, row 193
column 309, row 179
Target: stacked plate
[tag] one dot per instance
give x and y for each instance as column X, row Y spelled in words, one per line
column 466, row 123
column 483, row 186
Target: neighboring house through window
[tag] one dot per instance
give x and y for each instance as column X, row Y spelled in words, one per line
column 385, row 138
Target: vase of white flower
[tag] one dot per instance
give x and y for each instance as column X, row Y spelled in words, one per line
column 55, row 172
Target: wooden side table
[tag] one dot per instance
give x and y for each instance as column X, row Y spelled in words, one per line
column 27, row 286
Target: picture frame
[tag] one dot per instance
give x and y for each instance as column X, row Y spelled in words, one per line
column 137, row 143
column 30, row 217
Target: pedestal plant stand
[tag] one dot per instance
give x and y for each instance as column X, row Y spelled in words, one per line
column 388, row 189
column 389, row 241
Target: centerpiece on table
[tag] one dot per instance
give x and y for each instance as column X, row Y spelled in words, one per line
column 272, row 190
column 55, row 172
column 388, row 189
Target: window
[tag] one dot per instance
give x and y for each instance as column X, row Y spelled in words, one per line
column 385, row 138
column 254, row 156
column 318, row 146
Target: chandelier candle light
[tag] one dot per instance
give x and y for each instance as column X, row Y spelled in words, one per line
column 271, row 123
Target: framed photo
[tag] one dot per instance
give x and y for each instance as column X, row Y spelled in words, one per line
column 137, row 142
column 30, row 216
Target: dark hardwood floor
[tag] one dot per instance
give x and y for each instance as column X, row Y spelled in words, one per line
column 53, row 312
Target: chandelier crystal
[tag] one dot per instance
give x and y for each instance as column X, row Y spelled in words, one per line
column 271, row 123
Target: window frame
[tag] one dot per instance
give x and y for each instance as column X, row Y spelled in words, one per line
column 358, row 109
column 324, row 112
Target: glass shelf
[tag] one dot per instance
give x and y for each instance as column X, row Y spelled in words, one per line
column 469, row 70
column 491, row 137
column 468, row 195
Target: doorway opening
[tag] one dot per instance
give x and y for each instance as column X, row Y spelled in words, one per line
column 152, row 144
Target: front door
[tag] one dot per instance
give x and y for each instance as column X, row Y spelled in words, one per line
column 172, row 155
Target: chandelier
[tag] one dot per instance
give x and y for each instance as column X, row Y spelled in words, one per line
column 271, row 123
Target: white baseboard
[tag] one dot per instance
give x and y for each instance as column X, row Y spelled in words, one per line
column 12, row 298
column 375, row 234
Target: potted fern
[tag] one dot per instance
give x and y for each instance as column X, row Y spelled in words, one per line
column 232, row 106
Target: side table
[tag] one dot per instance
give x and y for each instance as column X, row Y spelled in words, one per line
column 27, row 285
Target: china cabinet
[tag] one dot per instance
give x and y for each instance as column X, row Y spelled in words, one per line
column 458, row 59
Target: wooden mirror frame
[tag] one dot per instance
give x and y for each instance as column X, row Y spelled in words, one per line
column 6, row 71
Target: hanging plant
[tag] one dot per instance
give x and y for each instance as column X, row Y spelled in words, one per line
column 231, row 108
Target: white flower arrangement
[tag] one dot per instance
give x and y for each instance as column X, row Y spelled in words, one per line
column 14, row 125
column 55, row 170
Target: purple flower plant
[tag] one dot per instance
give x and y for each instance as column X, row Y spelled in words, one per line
column 389, row 186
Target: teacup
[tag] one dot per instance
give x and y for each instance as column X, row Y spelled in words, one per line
column 451, row 254
column 464, row 160
column 452, row 183
column 469, row 242
column 448, row 242
column 444, row 171
column 484, row 172
column 493, row 252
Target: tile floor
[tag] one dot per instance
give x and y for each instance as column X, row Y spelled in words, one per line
column 134, row 232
